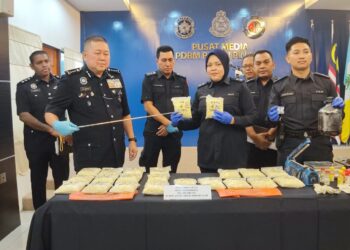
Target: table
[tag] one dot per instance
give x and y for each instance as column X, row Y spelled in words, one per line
column 297, row 220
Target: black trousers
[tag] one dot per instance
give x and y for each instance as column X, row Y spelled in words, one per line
column 261, row 158
column 206, row 170
column 39, row 163
column 170, row 146
column 320, row 149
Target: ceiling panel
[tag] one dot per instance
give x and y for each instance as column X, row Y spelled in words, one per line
column 99, row 5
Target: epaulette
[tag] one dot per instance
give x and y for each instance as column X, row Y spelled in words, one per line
column 151, row 73
column 181, row 76
column 322, row 75
column 202, row 85
column 251, row 80
column 236, row 80
column 24, row 81
column 113, row 70
column 72, row 71
column 281, row 79
column 57, row 77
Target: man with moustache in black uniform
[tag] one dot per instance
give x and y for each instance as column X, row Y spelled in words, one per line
column 157, row 90
column 32, row 96
column 93, row 94
column 262, row 133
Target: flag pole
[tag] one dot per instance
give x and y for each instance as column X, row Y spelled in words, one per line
column 313, row 49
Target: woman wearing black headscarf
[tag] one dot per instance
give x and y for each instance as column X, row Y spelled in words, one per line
column 222, row 141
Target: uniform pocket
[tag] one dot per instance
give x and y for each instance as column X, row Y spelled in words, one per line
column 317, row 101
column 289, row 104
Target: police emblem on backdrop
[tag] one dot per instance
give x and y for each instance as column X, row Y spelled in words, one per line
column 254, row 27
column 83, row 80
column 220, row 26
column 184, row 27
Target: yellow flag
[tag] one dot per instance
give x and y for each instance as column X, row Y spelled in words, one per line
column 345, row 133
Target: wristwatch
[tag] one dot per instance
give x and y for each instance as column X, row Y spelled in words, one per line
column 133, row 139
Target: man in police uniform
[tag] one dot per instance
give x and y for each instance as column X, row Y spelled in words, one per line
column 302, row 94
column 32, row 96
column 260, row 155
column 92, row 94
column 157, row 90
column 248, row 67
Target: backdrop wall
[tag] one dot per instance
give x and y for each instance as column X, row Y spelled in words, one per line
column 135, row 35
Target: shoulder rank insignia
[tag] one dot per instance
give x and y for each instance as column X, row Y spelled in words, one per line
column 251, row 80
column 202, row 85
column 281, row 79
column 113, row 70
column 151, row 73
column 72, row 71
column 322, row 75
column 25, row 80
column 181, row 76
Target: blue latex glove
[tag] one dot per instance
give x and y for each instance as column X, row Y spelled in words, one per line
column 175, row 118
column 338, row 102
column 65, row 127
column 171, row 129
column 223, row 117
column 273, row 114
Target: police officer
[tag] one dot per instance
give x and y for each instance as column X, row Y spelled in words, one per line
column 157, row 90
column 262, row 133
column 222, row 141
column 32, row 96
column 248, row 67
column 302, row 94
column 92, row 94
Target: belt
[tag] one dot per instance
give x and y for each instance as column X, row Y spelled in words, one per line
column 302, row 134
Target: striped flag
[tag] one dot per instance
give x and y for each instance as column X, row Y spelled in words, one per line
column 333, row 66
column 345, row 133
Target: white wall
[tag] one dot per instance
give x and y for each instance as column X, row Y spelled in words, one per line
column 55, row 21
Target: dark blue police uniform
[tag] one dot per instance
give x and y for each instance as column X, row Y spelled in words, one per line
column 159, row 89
column 261, row 93
column 90, row 99
column 220, row 145
column 302, row 99
column 32, row 96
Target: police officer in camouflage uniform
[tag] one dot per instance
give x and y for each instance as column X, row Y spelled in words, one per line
column 302, row 94
column 92, row 94
column 157, row 90
column 32, row 96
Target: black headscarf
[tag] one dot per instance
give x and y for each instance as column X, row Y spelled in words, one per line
column 224, row 59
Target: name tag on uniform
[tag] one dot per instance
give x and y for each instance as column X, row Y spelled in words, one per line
column 114, row 84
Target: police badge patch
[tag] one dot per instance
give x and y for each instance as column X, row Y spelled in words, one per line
column 254, row 27
column 33, row 86
column 83, row 80
column 184, row 27
column 220, row 26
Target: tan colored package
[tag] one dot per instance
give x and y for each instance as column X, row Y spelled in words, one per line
column 124, row 188
column 97, row 188
column 288, row 182
column 213, row 182
column 185, row 181
column 236, row 183
column 213, row 103
column 182, row 105
column 68, row 188
column 228, row 173
column 261, row 182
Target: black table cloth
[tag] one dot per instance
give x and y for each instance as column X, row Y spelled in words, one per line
column 298, row 220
